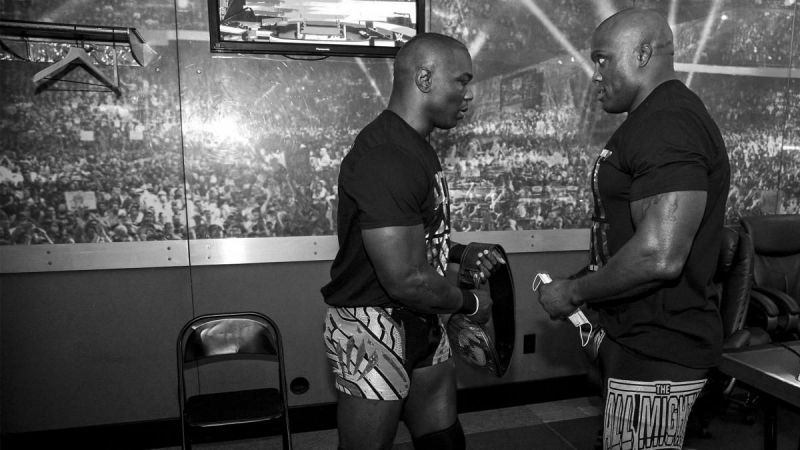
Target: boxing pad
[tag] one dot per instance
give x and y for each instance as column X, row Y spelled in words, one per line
column 488, row 346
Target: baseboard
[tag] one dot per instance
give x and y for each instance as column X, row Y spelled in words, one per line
column 525, row 393
column 166, row 433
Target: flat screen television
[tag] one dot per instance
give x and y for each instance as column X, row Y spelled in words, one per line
column 314, row 27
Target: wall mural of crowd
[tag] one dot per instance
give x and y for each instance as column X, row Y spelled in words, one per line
column 201, row 147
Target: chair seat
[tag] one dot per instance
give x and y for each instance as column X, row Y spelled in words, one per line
column 227, row 408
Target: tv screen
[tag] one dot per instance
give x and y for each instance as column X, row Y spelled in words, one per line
column 314, row 27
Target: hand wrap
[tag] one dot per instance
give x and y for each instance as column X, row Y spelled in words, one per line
column 467, row 257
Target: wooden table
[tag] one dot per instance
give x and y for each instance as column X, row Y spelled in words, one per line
column 771, row 369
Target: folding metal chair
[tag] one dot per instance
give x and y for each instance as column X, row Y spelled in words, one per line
column 221, row 342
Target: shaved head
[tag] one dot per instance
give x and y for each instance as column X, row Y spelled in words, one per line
column 633, row 53
column 430, row 50
column 641, row 26
column 431, row 73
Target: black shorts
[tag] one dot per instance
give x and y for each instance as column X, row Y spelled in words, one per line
column 647, row 401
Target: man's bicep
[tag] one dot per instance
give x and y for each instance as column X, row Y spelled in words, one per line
column 669, row 220
column 395, row 251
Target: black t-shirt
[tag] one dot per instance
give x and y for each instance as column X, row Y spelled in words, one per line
column 390, row 177
column 669, row 143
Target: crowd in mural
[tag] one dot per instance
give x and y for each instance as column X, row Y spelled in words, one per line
column 72, row 164
column 755, row 137
column 252, row 149
column 531, row 169
column 501, row 32
column 743, row 37
column 527, row 169
column 518, row 170
column 191, row 14
column 122, row 157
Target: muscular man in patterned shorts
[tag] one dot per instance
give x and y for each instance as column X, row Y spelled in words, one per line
column 385, row 342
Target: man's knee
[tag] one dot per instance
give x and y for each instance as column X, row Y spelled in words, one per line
column 451, row 438
column 366, row 424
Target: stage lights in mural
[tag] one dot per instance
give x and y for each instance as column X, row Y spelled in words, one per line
column 558, row 34
column 225, row 128
column 704, row 36
column 220, row 132
column 370, row 78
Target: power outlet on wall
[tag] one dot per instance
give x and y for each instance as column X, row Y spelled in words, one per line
column 529, row 343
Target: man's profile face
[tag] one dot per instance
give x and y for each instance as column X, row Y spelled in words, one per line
column 450, row 94
column 614, row 70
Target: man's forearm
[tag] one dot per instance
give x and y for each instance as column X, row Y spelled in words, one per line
column 628, row 273
column 402, row 268
column 427, row 291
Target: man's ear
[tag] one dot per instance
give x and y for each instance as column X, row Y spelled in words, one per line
column 423, row 79
column 643, row 54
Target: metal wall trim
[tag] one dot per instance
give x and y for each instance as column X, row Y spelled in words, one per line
column 208, row 252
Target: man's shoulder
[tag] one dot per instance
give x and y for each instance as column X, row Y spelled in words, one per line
column 675, row 112
column 386, row 135
column 386, row 127
column 677, row 99
column 373, row 133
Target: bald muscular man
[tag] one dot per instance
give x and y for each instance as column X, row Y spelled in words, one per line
column 660, row 186
column 387, row 347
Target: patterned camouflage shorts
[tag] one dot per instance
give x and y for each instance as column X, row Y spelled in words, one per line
column 373, row 351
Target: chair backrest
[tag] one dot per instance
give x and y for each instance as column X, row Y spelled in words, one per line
column 216, row 336
column 229, row 334
column 733, row 278
column 776, row 242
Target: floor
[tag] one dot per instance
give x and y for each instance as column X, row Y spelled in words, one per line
column 565, row 424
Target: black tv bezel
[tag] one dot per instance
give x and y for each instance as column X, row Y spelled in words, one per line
column 220, row 46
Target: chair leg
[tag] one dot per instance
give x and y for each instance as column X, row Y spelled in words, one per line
column 770, row 424
column 287, row 434
column 186, row 443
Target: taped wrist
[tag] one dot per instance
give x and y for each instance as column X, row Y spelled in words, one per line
column 456, row 252
column 469, row 303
